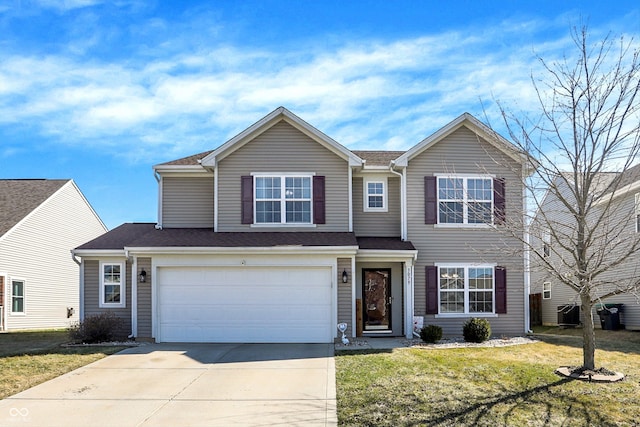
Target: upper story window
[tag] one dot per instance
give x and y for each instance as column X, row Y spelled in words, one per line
column 283, row 199
column 546, row 243
column 375, row 195
column 546, row 290
column 463, row 200
column 17, row 296
column 637, row 212
column 112, row 285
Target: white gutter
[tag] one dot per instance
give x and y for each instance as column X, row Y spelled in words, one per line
column 158, row 178
column 81, row 284
column 298, row 249
column 134, row 298
column 403, row 199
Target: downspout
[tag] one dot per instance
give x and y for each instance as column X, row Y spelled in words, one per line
column 527, row 264
column 158, row 178
column 134, row 298
column 81, row 282
column 403, row 197
column 350, row 198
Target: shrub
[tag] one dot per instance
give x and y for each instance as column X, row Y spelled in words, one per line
column 101, row 327
column 476, row 330
column 431, row 333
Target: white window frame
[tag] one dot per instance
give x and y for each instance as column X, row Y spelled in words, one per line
column 465, row 200
column 466, row 291
column 122, row 284
column 637, row 210
column 367, row 195
column 283, row 199
column 546, row 290
column 546, row 243
column 24, row 296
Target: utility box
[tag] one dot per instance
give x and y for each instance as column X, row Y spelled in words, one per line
column 568, row 315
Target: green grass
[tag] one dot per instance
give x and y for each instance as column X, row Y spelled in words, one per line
column 489, row 386
column 30, row 358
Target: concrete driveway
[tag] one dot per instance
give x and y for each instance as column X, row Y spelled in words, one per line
column 188, row 385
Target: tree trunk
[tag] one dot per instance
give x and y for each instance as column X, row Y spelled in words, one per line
column 588, row 334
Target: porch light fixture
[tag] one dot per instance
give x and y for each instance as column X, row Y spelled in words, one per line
column 345, row 276
column 143, row 276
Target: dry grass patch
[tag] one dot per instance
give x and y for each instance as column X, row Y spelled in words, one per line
column 486, row 386
column 30, row 358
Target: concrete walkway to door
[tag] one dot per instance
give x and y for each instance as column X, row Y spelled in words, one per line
column 188, row 385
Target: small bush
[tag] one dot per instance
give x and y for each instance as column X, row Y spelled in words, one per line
column 431, row 333
column 101, row 327
column 476, row 330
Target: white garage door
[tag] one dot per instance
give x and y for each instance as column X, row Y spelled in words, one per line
column 244, row 304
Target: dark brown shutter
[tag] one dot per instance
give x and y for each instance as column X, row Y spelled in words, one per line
column 430, row 200
column 318, row 200
column 432, row 289
column 247, row 199
column 498, row 201
column 501, row 290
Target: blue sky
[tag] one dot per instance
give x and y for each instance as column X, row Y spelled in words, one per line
column 99, row 91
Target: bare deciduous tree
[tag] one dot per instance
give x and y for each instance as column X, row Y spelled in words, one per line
column 583, row 148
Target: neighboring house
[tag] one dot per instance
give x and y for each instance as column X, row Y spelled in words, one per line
column 41, row 221
column 281, row 233
column 624, row 225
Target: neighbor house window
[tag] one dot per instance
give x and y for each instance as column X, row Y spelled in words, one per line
column 546, row 290
column 112, row 285
column 465, row 200
column 283, row 199
column 466, row 290
column 17, row 296
column 637, row 212
column 546, row 243
column 375, row 195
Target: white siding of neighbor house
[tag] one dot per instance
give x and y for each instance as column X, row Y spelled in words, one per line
column 462, row 152
column 38, row 251
column 621, row 219
column 280, row 149
column 187, row 202
column 380, row 224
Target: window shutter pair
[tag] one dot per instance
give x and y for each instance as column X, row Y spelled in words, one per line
column 431, row 200
column 247, row 199
column 500, row 276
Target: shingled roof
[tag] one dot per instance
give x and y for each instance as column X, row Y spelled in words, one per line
column 19, row 197
column 378, row 158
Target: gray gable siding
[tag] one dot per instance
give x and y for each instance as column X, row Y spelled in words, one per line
column 382, row 224
column 187, row 202
column 281, row 149
column 463, row 153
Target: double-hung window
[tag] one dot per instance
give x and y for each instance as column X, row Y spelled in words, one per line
column 283, row 199
column 465, row 200
column 375, row 195
column 466, row 290
column 546, row 290
column 17, row 296
column 112, row 284
column 637, row 207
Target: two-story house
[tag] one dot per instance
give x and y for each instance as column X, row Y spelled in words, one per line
column 616, row 233
column 281, row 233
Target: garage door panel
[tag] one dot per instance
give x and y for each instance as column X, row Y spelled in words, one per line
column 208, row 304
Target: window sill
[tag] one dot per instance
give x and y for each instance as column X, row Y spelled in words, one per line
column 112, row 305
column 463, row 315
column 283, row 225
column 375, row 210
column 465, row 226
column 17, row 314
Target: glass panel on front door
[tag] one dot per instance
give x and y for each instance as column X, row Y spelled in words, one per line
column 376, row 293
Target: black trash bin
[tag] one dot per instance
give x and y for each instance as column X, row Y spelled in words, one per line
column 610, row 316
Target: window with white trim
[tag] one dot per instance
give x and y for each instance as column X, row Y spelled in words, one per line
column 375, row 195
column 112, row 285
column 466, row 290
column 546, row 290
column 17, row 296
column 465, row 200
column 546, row 243
column 283, row 199
column 637, row 212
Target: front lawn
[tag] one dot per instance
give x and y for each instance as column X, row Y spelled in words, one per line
column 489, row 386
column 30, row 358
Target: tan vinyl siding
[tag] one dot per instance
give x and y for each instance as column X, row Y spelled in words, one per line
column 144, row 300
column 92, row 294
column 381, row 224
column 38, row 251
column 282, row 148
column 345, row 303
column 187, row 202
column 463, row 153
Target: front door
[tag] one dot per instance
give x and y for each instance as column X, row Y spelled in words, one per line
column 376, row 292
